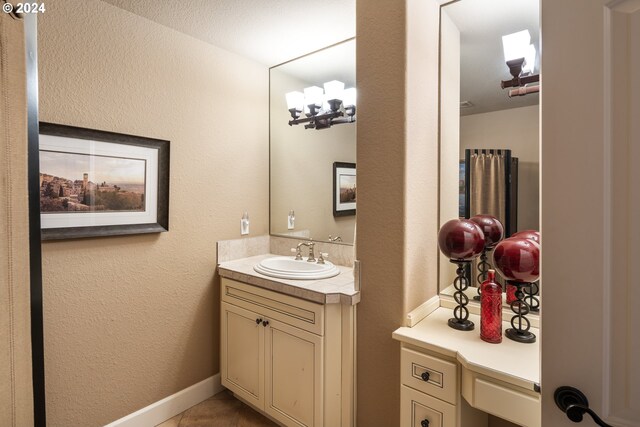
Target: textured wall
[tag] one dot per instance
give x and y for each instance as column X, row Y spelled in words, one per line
column 449, row 132
column 130, row 320
column 16, row 405
column 397, row 77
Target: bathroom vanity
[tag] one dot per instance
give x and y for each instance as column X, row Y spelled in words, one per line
column 287, row 346
column 452, row 378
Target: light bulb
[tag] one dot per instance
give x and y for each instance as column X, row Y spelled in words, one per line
column 313, row 95
column 530, row 59
column 349, row 97
column 334, row 89
column 515, row 45
column 295, row 100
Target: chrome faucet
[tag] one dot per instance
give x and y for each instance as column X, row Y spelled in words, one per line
column 310, row 244
column 335, row 239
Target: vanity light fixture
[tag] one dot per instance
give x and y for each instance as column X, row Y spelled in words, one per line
column 520, row 56
column 322, row 108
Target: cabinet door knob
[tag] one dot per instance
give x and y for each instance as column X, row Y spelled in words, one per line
column 425, row 377
column 258, row 320
column 265, row 323
column 424, row 423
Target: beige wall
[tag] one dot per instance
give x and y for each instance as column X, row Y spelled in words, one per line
column 16, row 393
column 449, row 133
column 397, row 154
column 519, row 130
column 302, row 167
column 130, row 320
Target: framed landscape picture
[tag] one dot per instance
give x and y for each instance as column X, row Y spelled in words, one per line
column 344, row 189
column 95, row 183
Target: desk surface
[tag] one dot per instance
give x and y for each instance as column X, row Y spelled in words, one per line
column 509, row 361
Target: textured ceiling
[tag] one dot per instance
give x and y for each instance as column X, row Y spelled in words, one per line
column 482, row 25
column 274, row 31
column 267, row 31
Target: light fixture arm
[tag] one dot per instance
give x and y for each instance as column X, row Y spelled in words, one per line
column 323, row 121
column 515, row 68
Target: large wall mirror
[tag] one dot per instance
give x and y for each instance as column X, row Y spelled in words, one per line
column 489, row 141
column 311, row 167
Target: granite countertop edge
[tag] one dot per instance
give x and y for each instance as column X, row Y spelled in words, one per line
column 232, row 270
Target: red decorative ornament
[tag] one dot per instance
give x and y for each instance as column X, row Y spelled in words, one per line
column 518, row 259
column 528, row 234
column 491, row 310
column 461, row 239
column 491, row 228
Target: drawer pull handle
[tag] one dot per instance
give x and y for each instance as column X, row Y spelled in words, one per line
column 425, row 377
column 424, row 423
column 265, row 323
column 258, row 320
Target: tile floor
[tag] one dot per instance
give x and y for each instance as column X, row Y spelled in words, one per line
column 221, row 410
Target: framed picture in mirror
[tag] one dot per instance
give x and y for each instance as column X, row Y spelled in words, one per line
column 344, row 189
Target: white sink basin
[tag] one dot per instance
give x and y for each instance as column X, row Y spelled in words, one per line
column 284, row 267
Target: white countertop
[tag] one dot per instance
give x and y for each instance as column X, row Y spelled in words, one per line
column 510, row 361
column 339, row 289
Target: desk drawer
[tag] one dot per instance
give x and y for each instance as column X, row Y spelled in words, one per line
column 296, row 312
column 503, row 400
column 429, row 374
column 420, row 410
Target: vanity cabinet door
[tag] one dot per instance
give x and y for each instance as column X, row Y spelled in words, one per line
column 421, row 410
column 294, row 375
column 242, row 353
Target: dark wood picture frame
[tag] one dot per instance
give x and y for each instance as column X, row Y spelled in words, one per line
column 342, row 208
column 161, row 223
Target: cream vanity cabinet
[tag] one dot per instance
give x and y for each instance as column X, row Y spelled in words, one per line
column 451, row 378
column 285, row 355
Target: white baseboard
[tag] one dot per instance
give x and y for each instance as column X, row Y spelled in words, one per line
column 171, row 406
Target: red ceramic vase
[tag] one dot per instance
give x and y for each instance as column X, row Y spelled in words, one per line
column 491, row 228
column 461, row 239
column 518, row 259
column 528, row 234
column 491, row 310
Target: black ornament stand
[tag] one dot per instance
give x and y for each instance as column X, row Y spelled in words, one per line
column 460, row 319
column 483, row 269
column 520, row 324
column 531, row 297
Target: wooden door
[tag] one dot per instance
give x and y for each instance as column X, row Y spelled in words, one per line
column 590, row 132
column 294, row 375
column 242, row 353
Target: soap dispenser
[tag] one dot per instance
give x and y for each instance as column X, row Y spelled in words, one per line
column 491, row 310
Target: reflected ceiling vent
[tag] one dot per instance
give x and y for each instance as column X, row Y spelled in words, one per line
column 466, row 104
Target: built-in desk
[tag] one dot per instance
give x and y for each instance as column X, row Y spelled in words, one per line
column 441, row 365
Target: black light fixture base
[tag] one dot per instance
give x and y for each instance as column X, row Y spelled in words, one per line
column 524, row 337
column 334, row 104
column 461, row 325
